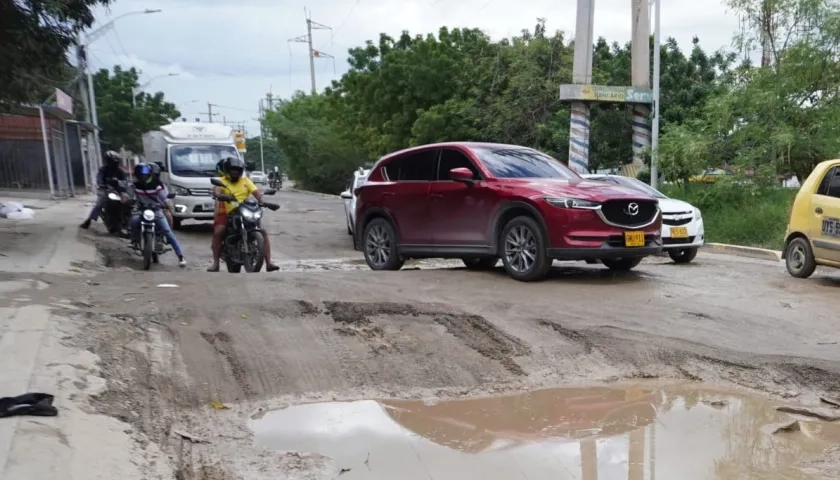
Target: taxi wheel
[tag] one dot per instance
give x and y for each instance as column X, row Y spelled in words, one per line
column 799, row 258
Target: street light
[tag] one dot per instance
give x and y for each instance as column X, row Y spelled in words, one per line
column 83, row 41
column 134, row 91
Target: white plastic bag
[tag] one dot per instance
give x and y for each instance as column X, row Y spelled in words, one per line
column 23, row 214
column 7, row 208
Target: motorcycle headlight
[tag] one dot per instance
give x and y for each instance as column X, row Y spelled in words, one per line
column 113, row 196
column 180, row 190
column 257, row 215
column 148, row 215
column 575, row 203
column 247, row 214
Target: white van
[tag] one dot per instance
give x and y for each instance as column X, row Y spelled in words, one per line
column 190, row 152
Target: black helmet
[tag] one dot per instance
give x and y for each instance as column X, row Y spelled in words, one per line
column 233, row 163
column 155, row 169
column 112, row 157
column 143, row 172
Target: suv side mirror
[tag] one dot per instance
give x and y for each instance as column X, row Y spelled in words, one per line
column 462, row 174
column 346, row 195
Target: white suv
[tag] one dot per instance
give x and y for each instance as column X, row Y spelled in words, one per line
column 349, row 198
column 682, row 223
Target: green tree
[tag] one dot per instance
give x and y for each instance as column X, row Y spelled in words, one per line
column 123, row 123
column 34, row 38
column 318, row 147
column 272, row 154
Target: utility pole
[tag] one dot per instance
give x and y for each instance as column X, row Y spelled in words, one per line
column 307, row 39
column 657, row 62
column 210, row 112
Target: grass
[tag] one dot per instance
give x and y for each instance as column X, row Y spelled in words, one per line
column 740, row 214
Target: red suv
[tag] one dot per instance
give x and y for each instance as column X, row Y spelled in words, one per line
column 483, row 201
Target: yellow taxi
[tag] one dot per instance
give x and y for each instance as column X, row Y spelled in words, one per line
column 813, row 232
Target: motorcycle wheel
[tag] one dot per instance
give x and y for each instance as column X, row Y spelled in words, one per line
column 148, row 250
column 253, row 261
column 233, row 267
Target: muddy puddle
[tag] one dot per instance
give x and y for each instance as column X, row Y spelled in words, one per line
column 593, row 433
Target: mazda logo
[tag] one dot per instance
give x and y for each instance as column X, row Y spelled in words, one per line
column 632, row 209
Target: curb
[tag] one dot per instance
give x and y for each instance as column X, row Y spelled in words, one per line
column 307, row 192
column 741, row 251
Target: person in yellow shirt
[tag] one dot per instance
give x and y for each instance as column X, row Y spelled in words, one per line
column 240, row 187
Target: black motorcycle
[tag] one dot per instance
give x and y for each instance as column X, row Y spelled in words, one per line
column 244, row 242
column 115, row 213
column 152, row 242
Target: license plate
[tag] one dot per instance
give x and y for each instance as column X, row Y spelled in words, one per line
column 831, row 227
column 208, row 206
column 679, row 232
column 634, row 239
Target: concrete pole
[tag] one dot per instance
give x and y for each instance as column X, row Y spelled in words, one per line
column 311, row 54
column 582, row 75
column 640, row 75
column 97, row 147
column 45, row 136
column 657, row 63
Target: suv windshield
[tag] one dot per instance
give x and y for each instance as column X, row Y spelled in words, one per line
column 198, row 160
column 512, row 162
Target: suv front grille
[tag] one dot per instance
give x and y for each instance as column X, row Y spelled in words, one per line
column 200, row 192
column 670, row 220
column 618, row 212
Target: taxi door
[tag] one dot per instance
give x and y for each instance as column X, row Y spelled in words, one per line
column 825, row 223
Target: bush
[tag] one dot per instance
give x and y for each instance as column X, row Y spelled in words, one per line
column 740, row 213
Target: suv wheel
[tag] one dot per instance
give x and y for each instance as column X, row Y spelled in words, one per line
column 523, row 250
column 799, row 258
column 682, row 255
column 622, row 264
column 480, row 263
column 380, row 246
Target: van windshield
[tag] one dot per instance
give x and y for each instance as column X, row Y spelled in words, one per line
column 198, row 160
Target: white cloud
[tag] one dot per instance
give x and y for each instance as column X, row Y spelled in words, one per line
column 232, row 52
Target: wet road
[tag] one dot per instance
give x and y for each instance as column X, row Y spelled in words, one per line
column 328, row 328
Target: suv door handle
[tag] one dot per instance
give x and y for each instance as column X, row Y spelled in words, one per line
column 388, row 194
column 437, row 195
column 818, row 210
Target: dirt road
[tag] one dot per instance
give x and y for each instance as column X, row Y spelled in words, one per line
column 326, row 328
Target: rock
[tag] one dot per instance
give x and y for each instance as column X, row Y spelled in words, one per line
column 789, row 428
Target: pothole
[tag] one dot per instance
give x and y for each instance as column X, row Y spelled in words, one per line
column 635, row 432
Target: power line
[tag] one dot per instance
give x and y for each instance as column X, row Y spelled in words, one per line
column 307, row 39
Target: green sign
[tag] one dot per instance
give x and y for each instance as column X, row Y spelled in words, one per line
column 603, row 93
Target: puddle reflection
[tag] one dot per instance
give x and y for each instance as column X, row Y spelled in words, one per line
column 598, row 433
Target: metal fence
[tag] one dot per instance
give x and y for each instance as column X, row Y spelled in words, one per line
column 42, row 153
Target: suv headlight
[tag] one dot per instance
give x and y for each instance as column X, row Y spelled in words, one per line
column 577, row 203
column 697, row 214
column 177, row 190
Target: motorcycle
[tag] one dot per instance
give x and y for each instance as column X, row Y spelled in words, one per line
column 115, row 214
column 244, row 242
column 152, row 242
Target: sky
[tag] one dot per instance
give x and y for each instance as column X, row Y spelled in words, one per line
column 232, row 53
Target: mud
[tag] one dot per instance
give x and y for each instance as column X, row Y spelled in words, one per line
column 339, row 332
column 631, row 432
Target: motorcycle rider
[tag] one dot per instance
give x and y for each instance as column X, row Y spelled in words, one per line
column 241, row 188
column 146, row 188
column 110, row 170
